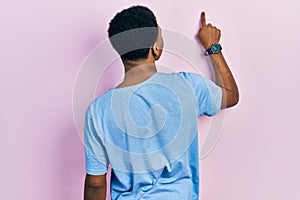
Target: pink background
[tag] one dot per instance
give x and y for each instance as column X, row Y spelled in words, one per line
column 43, row 44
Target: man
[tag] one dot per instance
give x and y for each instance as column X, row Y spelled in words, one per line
column 146, row 127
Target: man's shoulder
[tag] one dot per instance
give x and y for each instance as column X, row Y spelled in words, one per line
column 99, row 103
column 191, row 78
column 184, row 74
column 190, row 75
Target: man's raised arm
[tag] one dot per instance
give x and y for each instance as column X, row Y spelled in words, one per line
column 208, row 35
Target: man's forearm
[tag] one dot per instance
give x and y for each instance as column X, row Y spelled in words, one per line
column 225, row 80
column 94, row 193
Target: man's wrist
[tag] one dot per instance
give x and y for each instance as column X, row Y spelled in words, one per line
column 216, row 56
column 215, row 48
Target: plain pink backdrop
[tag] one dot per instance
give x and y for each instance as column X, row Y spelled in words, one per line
column 43, row 44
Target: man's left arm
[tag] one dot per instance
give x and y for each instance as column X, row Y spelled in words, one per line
column 96, row 160
column 95, row 187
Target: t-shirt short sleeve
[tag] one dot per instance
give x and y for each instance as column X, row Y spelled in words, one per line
column 95, row 154
column 208, row 94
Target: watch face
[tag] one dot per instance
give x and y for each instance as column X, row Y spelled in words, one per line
column 215, row 48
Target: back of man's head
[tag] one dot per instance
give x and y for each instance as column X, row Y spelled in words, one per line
column 129, row 34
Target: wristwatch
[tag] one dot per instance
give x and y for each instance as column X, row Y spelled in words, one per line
column 213, row 49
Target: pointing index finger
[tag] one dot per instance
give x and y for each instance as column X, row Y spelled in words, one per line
column 203, row 19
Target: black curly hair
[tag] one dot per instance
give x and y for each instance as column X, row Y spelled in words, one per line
column 130, row 33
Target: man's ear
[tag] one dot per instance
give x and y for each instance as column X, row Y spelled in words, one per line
column 156, row 52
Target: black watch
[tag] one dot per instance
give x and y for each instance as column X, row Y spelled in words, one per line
column 213, row 49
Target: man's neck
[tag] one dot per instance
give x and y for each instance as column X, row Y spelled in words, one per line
column 135, row 74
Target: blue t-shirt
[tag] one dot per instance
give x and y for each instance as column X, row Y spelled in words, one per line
column 148, row 134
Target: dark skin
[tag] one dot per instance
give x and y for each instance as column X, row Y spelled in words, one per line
column 138, row 71
column 95, row 187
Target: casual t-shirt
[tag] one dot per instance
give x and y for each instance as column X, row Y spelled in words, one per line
column 148, row 134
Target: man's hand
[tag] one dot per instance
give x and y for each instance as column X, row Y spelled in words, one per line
column 208, row 34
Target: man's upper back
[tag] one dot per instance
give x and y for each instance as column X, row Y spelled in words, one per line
column 148, row 134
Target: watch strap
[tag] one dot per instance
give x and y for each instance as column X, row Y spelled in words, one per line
column 209, row 51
